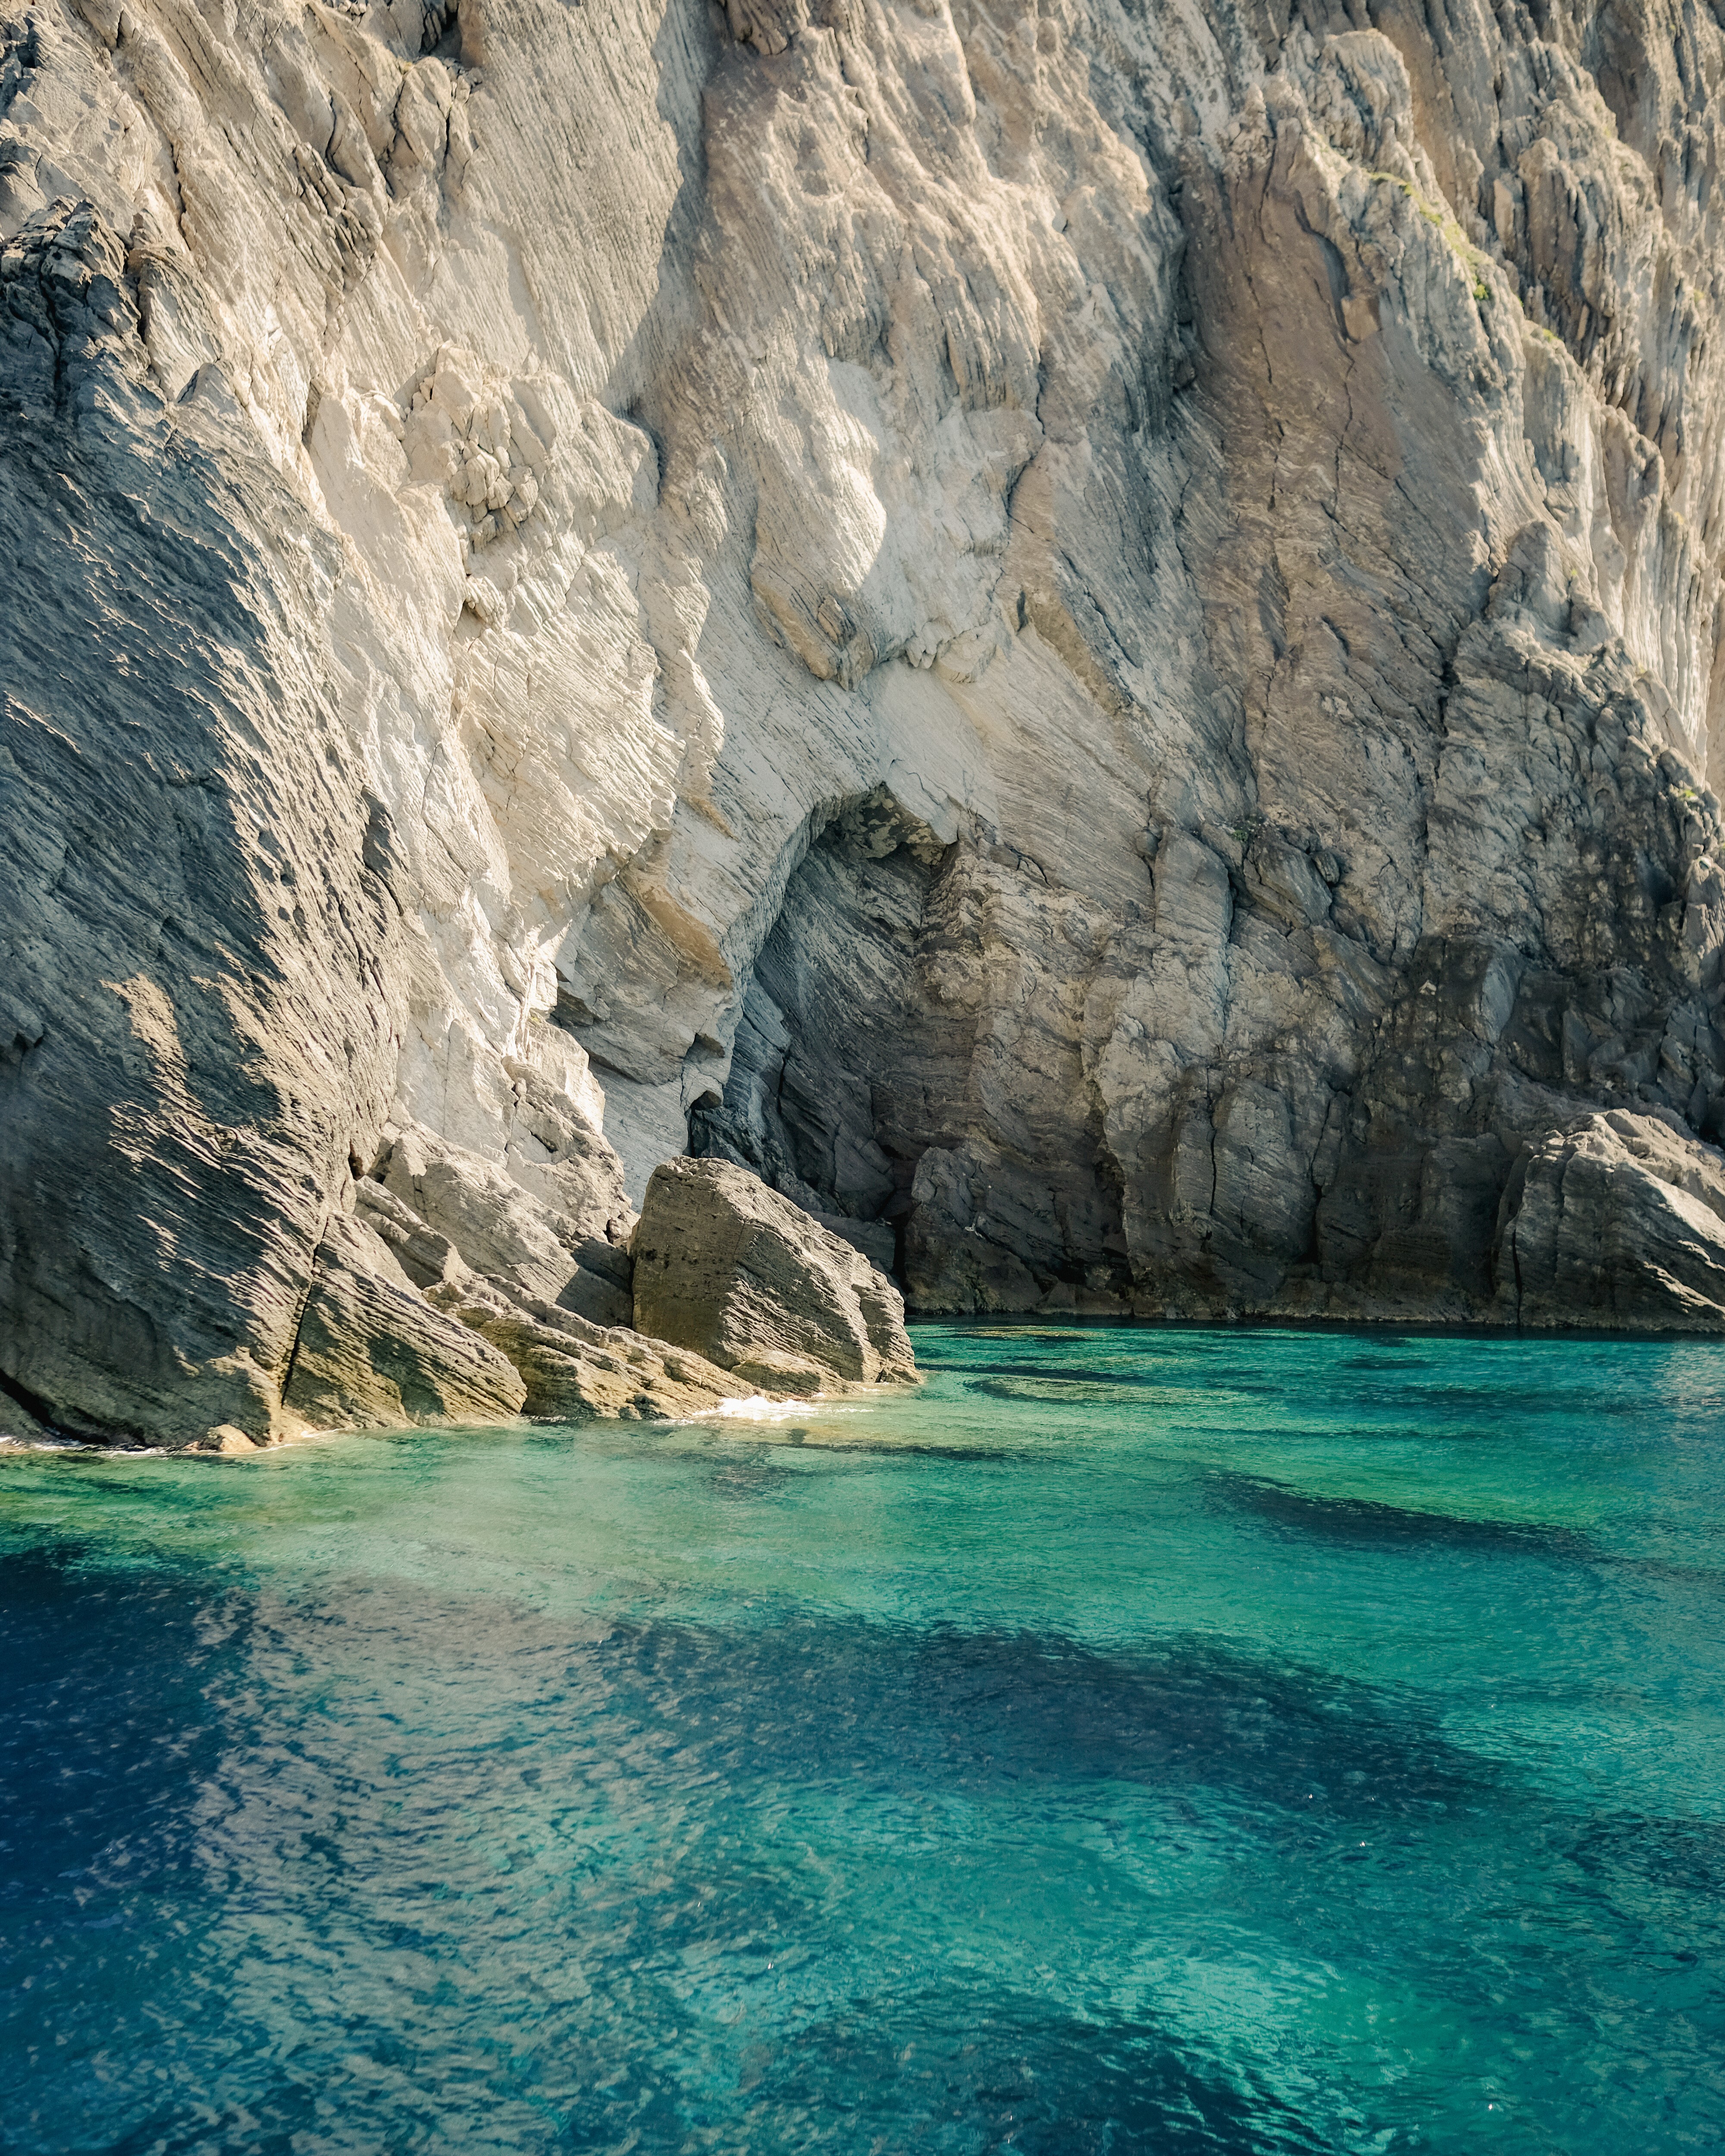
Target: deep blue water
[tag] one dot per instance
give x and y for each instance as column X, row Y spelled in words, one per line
column 1138, row 1741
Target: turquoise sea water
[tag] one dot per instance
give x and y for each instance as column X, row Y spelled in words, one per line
column 1138, row 1741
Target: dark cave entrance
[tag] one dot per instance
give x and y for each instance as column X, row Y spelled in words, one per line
column 845, row 1069
column 869, row 1048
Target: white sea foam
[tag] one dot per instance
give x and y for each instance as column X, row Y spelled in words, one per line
column 757, row 1408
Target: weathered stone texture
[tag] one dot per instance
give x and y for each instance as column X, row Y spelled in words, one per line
column 1091, row 638
column 198, row 969
column 371, row 1351
column 732, row 1269
column 574, row 1369
column 1619, row 1222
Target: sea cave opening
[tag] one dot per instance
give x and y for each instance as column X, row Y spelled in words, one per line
column 872, row 1081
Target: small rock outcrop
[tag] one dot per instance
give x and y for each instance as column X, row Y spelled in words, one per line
column 575, row 1370
column 480, row 1307
column 453, row 1294
column 372, row 1352
column 733, row 1270
column 1618, row 1221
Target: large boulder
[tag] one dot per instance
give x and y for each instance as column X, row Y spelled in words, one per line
column 1618, row 1220
column 736, row 1272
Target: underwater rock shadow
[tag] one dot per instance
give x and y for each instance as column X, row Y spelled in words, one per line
column 1005, row 2072
column 1663, row 1878
column 1002, row 1380
column 800, row 1697
column 1366, row 1522
column 847, row 1697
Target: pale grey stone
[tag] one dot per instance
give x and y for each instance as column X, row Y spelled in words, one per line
column 501, row 1231
column 735, row 1271
column 1095, row 651
column 1618, row 1221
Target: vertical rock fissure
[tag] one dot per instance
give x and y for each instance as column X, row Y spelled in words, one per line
column 305, row 1294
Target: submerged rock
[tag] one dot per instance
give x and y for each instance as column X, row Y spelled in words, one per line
column 1620, row 1221
column 732, row 1269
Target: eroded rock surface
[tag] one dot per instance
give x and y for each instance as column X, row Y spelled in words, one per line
column 495, row 1304
column 573, row 1369
column 734, row 1271
column 1619, row 1222
column 503, row 1233
column 1090, row 637
column 373, row 1353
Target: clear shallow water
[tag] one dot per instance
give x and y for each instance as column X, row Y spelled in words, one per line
column 1137, row 1741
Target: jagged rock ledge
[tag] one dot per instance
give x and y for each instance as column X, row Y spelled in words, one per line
column 479, row 1305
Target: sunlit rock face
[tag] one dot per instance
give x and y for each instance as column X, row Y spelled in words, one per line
column 1088, row 634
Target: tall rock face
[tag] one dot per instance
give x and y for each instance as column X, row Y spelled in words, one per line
column 1090, row 636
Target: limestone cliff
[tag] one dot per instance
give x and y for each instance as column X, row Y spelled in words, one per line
column 1089, row 633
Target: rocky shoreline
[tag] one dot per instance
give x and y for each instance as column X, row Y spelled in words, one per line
column 1089, row 642
column 485, row 1308
column 720, row 1290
